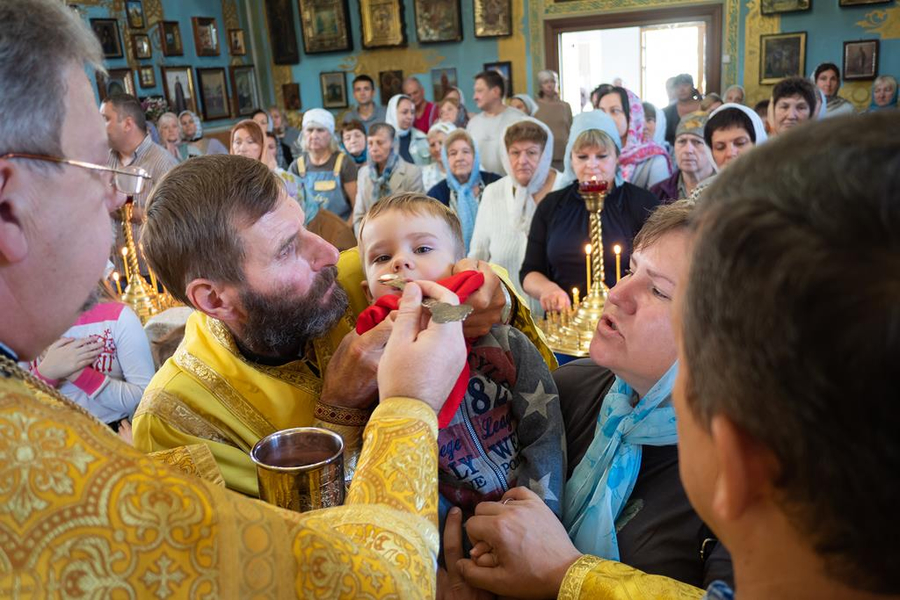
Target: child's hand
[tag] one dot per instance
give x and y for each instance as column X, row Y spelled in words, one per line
column 67, row 356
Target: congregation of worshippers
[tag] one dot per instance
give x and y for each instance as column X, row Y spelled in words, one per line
column 569, row 230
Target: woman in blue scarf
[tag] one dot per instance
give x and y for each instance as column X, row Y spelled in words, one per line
column 623, row 500
column 884, row 93
column 465, row 181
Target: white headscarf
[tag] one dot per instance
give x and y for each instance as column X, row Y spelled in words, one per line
column 759, row 129
column 529, row 102
column 319, row 116
column 197, row 123
column 523, row 206
column 443, row 127
column 391, row 114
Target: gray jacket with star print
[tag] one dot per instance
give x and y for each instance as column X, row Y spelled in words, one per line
column 508, row 430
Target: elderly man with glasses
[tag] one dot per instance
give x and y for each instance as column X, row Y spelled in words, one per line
column 83, row 514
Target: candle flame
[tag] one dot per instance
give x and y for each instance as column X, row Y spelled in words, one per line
column 587, row 249
column 617, row 249
column 115, row 275
column 124, row 251
column 574, row 291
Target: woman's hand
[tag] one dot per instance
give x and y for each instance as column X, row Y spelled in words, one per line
column 450, row 584
column 125, row 433
column 554, row 298
column 521, row 548
column 67, row 356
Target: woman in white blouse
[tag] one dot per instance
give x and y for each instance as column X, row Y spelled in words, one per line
column 507, row 205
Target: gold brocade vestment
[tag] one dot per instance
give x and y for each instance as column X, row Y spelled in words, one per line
column 84, row 515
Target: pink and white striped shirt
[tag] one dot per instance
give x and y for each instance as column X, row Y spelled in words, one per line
column 112, row 386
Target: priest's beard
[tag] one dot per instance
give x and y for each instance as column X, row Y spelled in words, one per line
column 279, row 324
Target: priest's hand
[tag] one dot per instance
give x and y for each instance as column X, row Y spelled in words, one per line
column 487, row 303
column 422, row 359
column 520, row 547
column 350, row 378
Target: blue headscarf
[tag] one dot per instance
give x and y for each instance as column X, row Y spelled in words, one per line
column 595, row 119
column 891, row 104
column 604, row 479
column 466, row 202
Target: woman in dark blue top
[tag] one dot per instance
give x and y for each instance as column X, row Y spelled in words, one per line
column 554, row 257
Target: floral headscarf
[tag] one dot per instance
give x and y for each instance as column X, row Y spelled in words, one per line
column 636, row 150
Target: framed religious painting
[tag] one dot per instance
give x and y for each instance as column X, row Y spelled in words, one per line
column 178, row 87
column 213, row 93
column 391, row 84
column 117, row 81
column 170, row 36
column 237, row 44
column 282, row 34
column 206, row 36
column 135, row 12
column 863, row 2
column 505, row 70
column 775, row 7
column 325, row 25
column 493, row 18
column 140, row 45
column 107, row 31
column 438, row 21
column 860, row 60
column 334, row 89
column 291, row 94
column 244, row 90
column 383, row 25
column 441, row 82
column 781, row 55
column 147, row 76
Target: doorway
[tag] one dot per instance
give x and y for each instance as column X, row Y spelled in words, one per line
column 641, row 49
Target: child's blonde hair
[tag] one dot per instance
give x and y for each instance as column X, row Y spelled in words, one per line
column 415, row 204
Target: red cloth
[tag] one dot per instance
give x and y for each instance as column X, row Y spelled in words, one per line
column 429, row 116
column 463, row 284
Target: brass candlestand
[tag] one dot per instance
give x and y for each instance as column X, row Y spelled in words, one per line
column 570, row 331
column 138, row 295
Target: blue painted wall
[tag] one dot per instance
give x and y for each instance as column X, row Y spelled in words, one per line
column 467, row 57
column 180, row 11
column 828, row 25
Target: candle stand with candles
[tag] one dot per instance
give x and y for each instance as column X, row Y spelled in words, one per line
column 570, row 331
column 143, row 299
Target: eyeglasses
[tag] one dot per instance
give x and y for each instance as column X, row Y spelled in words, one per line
column 129, row 181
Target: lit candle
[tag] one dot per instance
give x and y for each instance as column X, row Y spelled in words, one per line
column 618, row 250
column 125, row 262
column 574, row 297
column 153, row 279
column 115, row 277
column 587, row 253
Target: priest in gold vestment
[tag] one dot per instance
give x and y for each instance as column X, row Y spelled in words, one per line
column 257, row 349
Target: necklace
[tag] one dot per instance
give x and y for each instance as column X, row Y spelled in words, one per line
column 18, row 372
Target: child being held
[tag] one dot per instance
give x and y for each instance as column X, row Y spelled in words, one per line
column 508, row 429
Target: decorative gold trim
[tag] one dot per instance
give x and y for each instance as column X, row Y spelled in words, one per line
column 219, row 387
column 195, row 459
column 169, row 408
column 339, row 415
column 571, row 585
column 295, row 373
